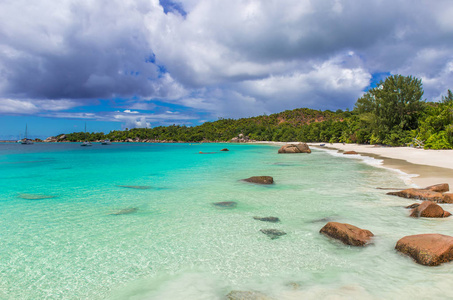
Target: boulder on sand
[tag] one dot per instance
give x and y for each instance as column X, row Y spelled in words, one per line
column 297, row 148
column 260, row 179
column 348, row 234
column 440, row 188
column 420, row 194
column 429, row 209
column 350, row 153
column 427, row 249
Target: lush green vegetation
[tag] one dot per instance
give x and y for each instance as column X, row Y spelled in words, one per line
column 393, row 113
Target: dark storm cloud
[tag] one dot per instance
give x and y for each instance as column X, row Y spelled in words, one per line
column 227, row 58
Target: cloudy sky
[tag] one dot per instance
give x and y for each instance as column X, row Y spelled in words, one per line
column 116, row 64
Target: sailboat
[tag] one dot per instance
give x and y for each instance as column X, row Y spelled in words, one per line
column 26, row 140
column 86, row 143
column 106, row 142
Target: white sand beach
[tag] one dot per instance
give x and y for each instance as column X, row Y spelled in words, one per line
column 430, row 166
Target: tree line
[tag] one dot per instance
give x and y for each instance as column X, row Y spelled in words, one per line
column 393, row 113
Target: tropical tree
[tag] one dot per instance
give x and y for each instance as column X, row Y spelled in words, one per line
column 394, row 107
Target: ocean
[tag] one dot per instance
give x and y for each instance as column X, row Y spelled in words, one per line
column 138, row 221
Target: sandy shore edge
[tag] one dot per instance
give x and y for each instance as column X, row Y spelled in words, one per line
column 427, row 167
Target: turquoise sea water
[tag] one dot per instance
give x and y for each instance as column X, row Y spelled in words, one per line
column 95, row 239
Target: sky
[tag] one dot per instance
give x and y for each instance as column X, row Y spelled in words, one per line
column 120, row 64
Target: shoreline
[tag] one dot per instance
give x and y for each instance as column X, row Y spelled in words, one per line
column 423, row 167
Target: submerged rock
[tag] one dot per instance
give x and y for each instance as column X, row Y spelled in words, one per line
column 429, row 209
column 247, row 295
column 137, row 187
column 440, row 188
column 321, row 220
column 419, row 194
column 412, row 206
column 260, row 179
column 125, row 211
column 268, row 219
column 35, row 196
column 348, row 234
column 297, row 148
column 201, row 152
column 225, row 204
column 427, row 249
column 350, row 153
column 273, row 233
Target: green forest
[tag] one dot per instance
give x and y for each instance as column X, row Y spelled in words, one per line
column 393, row 113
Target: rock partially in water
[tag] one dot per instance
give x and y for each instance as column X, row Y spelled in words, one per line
column 429, row 209
column 224, row 149
column 137, row 187
column 35, row 196
column 260, row 179
column 297, row 148
column 273, row 233
column 247, row 295
column 347, row 233
column 419, row 194
column 440, row 188
column 125, row 211
column 447, row 198
column 225, row 204
column 267, row 219
column 427, row 249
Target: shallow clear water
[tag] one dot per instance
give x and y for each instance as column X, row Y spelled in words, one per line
column 166, row 240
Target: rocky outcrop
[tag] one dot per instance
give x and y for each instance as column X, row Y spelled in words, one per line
column 440, row 188
column 225, row 204
column 427, row 249
column 260, row 179
column 420, row 194
column 247, row 295
column 348, row 234
column 241, row 138
column 429, row 209
column 224, row 149
column 273, row 233
column 447, row 198
column 295, row 148
column 267, row 219
column 350, row 153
